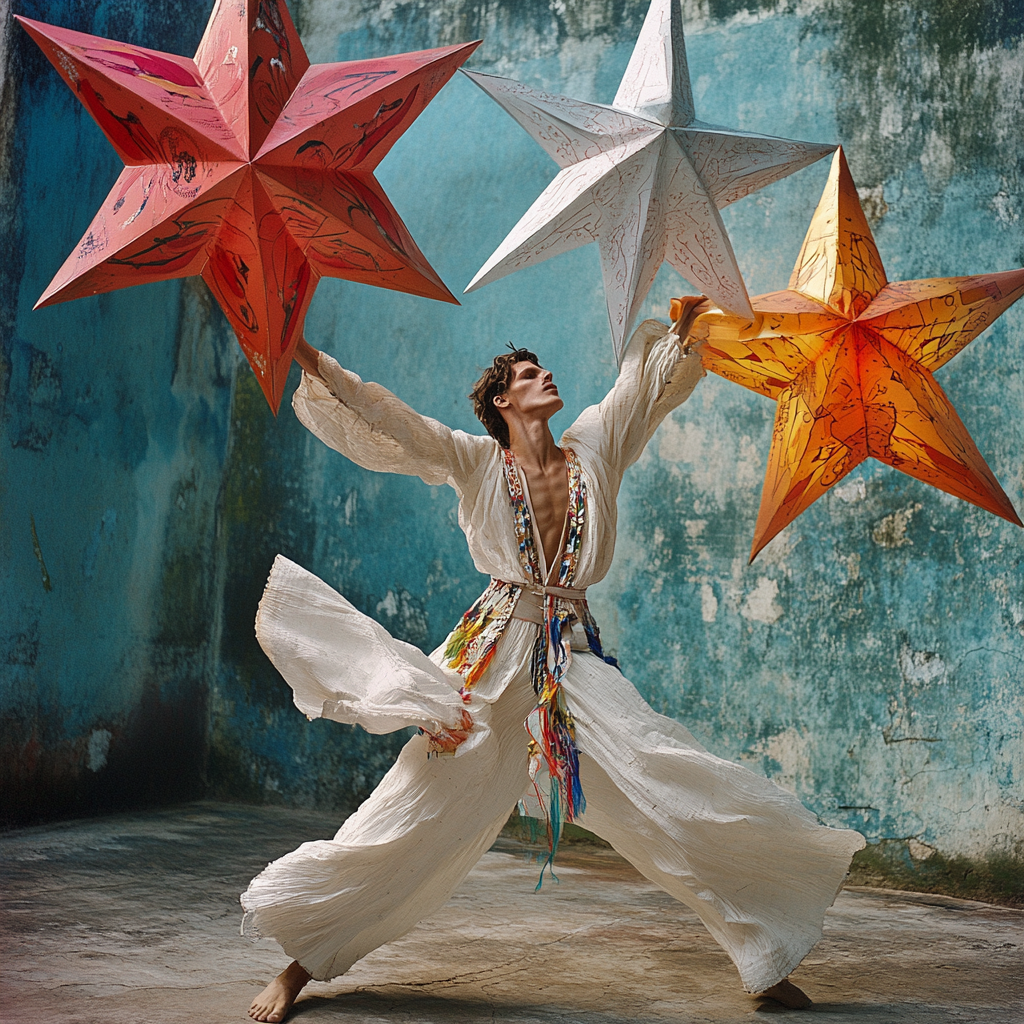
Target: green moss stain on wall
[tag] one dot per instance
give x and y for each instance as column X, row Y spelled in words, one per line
column 911, row 864
column 261, row 747
column 927, row 83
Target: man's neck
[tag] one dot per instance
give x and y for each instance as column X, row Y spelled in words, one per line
column 533, row 446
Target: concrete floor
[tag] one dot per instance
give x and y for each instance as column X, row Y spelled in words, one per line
column 134, row 919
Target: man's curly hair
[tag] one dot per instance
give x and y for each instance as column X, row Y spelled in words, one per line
column 495, row 381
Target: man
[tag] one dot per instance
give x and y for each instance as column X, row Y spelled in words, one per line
column 540, row 521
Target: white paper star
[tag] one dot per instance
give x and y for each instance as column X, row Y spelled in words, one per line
column 643, row 178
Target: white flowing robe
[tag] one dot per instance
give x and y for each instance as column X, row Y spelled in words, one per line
column 733, row 846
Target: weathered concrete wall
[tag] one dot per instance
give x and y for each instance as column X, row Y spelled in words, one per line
column 872, row 657
column 113, row 427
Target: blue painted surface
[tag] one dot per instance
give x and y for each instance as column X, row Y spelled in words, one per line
column 872, row 658
column 112, row 432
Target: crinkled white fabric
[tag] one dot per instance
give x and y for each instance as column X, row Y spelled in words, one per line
column 404, row 851
column 736, row 848
column 380, row 683
column 740, row 851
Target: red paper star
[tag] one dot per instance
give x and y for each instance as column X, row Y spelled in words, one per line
column 250, row 167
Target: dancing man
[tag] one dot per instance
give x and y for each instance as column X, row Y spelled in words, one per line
column 539, row 518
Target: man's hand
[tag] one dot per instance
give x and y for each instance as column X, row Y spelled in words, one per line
column 308, row 358
column 447, row 740
column 684, row 312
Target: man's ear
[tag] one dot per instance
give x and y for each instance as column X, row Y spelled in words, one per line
column 500, row 401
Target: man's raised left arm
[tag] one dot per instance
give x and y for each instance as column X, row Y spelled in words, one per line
column 659, row 372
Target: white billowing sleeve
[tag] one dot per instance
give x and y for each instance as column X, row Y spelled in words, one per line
column 378, row 431
column 344, row 666
column 654, row 379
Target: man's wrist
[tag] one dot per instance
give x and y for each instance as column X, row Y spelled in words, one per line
column 308, row 358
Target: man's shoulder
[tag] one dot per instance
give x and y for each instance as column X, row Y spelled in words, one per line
column 481, row 441
column 479, row 452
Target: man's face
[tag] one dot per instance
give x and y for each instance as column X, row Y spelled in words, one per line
column 531, row 392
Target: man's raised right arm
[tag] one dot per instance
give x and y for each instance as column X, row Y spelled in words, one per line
column 376, row 429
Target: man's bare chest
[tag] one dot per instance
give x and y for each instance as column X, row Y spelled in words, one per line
column 549, row 498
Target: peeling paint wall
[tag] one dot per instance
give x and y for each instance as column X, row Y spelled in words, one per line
column 872, row 659
column 113, row 428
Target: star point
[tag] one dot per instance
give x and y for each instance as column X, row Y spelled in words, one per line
column 656, row 83
column 248, row 166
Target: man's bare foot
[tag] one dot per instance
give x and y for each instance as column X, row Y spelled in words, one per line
column 274, row 1002
column 788, row 994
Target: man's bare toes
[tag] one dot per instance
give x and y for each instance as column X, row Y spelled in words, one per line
column 258, row 1010
column 272, row 1004
column 788, row 994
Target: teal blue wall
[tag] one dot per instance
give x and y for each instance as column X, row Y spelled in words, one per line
column 871, row 658
column 113, row 428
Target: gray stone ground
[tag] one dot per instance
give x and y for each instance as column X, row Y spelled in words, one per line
column 134, row 919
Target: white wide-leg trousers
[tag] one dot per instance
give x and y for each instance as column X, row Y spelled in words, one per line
column 740, row 851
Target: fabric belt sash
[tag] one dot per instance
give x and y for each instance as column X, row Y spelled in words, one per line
column 529, row 605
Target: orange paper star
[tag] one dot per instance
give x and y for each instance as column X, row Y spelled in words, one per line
column 849, row 359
